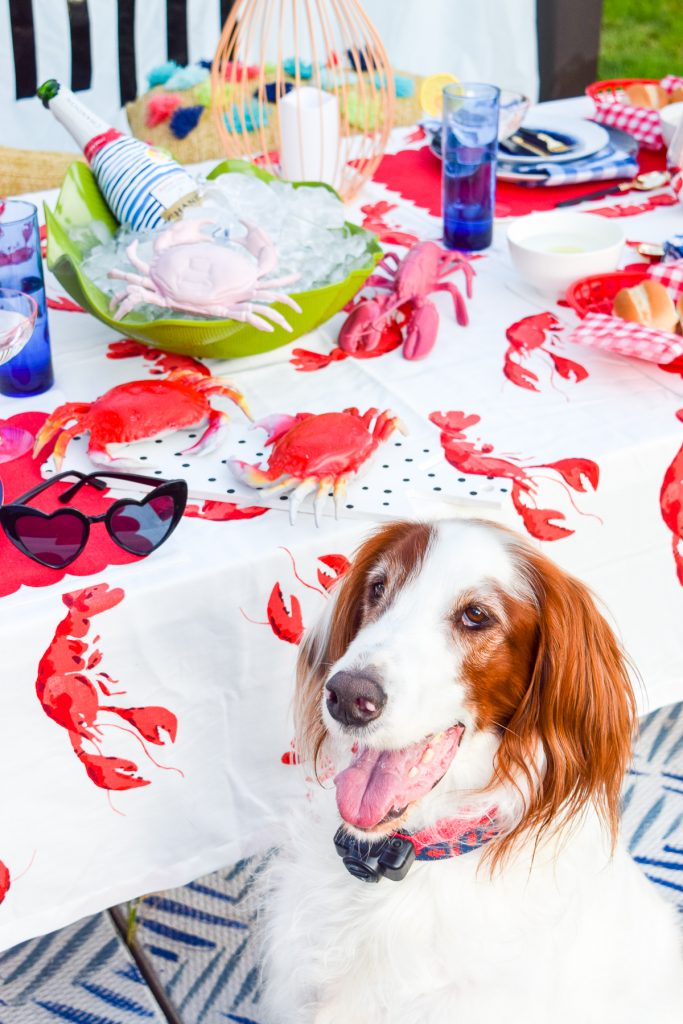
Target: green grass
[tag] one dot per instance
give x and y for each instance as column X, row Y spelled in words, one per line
column 641, row 39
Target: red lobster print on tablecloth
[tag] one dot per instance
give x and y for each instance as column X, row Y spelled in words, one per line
column 374, row 215
column 671, row 504
column 161, row 362
column 476, row 458
column 67, row 687
column 287, row 623
column 532, row 335
column 4, row 880
column 305, row 361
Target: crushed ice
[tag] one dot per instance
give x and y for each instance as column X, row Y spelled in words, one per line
column 305, row 224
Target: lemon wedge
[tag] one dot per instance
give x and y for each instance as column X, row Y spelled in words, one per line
column 431, row 92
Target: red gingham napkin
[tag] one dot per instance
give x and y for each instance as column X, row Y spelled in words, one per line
column 613, row 334
column 640, row 122
column 670, row 275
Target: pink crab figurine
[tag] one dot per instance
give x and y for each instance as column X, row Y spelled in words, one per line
column 316, row 453
column 139, row 411
column 194, row 274
column 409, row 284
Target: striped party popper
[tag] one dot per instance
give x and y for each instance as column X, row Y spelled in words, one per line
column 142, row 186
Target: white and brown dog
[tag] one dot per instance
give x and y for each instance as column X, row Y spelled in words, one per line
column 479, row 713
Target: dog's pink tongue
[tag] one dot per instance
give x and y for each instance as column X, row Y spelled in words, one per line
column 377, row 781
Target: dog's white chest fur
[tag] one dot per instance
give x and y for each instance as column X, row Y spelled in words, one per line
column 569, row 940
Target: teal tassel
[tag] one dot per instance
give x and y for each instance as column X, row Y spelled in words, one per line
column 185, row 78
column 161, row 73
column 305, row 70
column 184, row 120
column 403, row 86
column 247, row 118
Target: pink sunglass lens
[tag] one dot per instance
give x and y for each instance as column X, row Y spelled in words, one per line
column 142, row 527
column 55, row 539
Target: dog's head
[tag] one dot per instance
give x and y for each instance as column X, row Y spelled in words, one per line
column 455, row 660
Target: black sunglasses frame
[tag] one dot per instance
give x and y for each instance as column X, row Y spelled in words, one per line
column 176, row 489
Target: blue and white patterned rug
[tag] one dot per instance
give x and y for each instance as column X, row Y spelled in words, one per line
column 200, row 939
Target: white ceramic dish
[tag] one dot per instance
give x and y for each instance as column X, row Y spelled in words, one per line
column 589, row 138
column 550, row 250
column 670, row 116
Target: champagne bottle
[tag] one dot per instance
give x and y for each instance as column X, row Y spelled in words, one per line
column 142, row 186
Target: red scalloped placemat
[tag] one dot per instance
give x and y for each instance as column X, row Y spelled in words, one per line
column 416, row 175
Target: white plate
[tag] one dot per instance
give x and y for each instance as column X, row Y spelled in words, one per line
column 590, row 138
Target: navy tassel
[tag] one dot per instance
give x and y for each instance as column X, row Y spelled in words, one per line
column 185, row 120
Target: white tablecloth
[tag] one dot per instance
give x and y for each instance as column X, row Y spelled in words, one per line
column 191, row 635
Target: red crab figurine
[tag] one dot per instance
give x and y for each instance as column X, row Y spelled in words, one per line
column 317, row 453
column 140, row 410
column 410, row 283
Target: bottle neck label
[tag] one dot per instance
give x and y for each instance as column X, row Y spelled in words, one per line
column 99, row 141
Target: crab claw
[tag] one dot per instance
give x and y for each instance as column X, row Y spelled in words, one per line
column 253, row 476
column 421, row 332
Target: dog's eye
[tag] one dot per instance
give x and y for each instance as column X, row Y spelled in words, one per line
column 474, row 616
column 377, row 590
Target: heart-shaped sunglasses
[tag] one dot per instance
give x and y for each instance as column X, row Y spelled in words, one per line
column 55, row 539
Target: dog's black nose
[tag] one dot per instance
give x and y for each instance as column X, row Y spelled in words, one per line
column 355, row 698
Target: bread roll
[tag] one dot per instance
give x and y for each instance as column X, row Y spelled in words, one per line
column 648, row 303
column 679, row 310
column 652, row 96
column 676, row 96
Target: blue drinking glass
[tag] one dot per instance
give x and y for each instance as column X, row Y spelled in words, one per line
column 469, row 146
column 21, row 268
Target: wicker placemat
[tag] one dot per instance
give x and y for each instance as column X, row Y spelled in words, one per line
column 29, row 170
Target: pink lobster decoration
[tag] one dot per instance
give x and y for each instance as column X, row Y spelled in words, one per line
column 70, row 698
column 466, row 457
column 316, row 453
column 140, row 410
column 192, row 273
column 528, row 336
column 410, row 283
column 671, row 505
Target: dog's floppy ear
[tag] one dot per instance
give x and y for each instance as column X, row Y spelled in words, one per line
column 579, row 705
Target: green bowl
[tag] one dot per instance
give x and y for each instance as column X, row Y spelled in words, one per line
column 80, row 202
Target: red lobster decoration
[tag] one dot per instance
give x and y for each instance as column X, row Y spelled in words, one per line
column 466, row 457
column 287, row 623
column 71, row 699
column 528, row 336
column 671, row 504
column 410, row 283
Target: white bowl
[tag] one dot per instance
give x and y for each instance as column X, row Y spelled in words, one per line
column 550, row 250
column 670, row 116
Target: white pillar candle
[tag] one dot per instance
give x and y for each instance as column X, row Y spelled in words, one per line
column 309, row 135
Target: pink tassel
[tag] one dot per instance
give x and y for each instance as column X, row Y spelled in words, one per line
column 160, row 106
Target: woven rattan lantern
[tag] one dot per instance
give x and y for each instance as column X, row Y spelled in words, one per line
column 305, row 88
